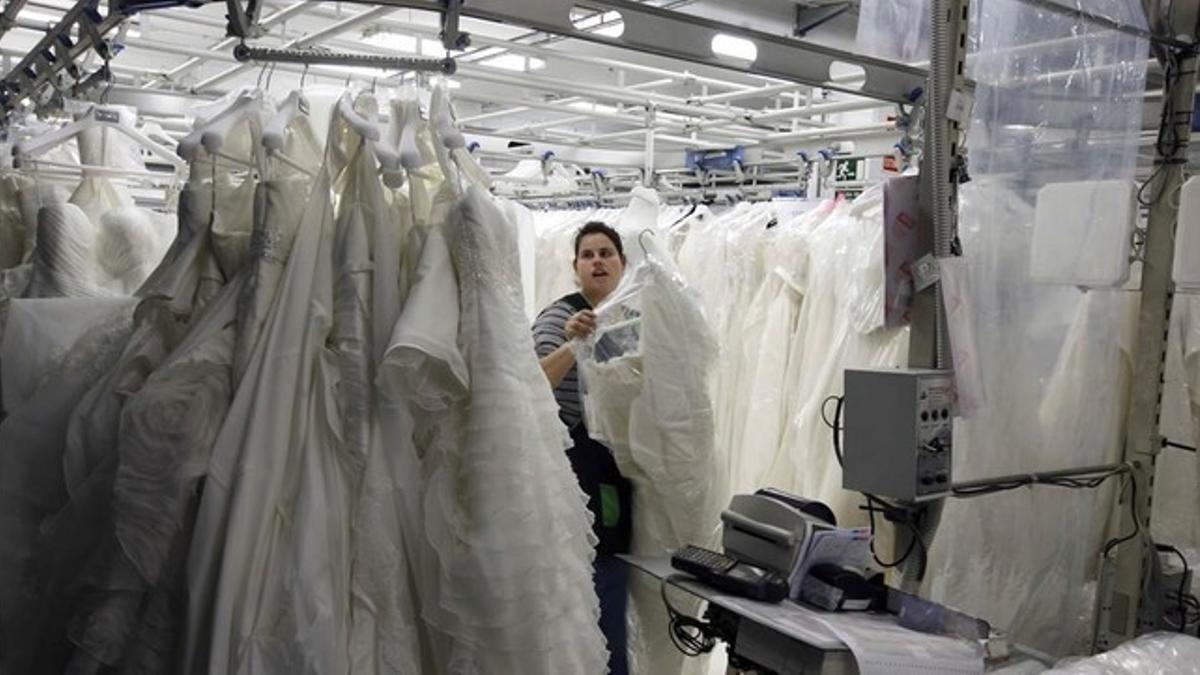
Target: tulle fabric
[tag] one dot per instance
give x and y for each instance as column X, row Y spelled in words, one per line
column 503, row 566
column 514, row 538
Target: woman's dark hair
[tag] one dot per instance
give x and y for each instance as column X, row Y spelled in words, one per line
column 597, row 227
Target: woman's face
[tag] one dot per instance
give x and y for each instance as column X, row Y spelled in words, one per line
column 598, row 266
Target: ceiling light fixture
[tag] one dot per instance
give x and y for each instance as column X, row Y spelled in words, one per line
column 393, row 41
column 733, row 47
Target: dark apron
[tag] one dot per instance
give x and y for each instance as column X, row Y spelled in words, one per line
column 610, row 495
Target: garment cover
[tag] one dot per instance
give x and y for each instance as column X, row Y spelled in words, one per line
column 651, row 405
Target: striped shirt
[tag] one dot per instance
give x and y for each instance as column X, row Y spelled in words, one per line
column 549, row 333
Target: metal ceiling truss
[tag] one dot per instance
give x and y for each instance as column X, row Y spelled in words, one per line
column 53, row 61
column 784, row 65
column 688, row 37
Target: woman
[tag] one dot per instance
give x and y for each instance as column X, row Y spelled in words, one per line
column 599, row 263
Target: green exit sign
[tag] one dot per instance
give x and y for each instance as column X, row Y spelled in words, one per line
column 847, row 170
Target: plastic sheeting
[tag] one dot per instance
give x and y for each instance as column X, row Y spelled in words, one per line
column 894, row 29
column 1153, row 653
column 1054, row 360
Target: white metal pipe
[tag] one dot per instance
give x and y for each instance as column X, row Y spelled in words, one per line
column 578, row 118
column 830, row 132
column 769, row 90
column 625, row 118
column 689, row 142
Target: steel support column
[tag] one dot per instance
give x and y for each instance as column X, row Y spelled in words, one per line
column 1125, row 570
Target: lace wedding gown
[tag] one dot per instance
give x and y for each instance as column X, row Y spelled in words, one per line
column 504, row 560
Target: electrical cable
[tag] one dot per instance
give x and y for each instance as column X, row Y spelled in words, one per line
column 835, row 425
column 1179, row 597
column 690, row 635
column 871, row 509
column 1075, row 482
column 1137, row 526
column 887, row 508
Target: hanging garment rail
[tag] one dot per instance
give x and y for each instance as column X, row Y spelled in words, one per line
column 446, row 66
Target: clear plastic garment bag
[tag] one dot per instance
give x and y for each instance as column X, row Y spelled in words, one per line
column 646, row 375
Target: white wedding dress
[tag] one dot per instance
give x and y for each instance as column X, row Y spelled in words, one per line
column 503, row 558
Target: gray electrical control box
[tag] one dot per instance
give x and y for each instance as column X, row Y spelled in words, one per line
column 898, row 432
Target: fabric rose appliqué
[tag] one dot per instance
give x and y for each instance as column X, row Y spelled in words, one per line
column 167, row 431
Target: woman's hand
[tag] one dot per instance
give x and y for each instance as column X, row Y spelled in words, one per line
column 580, row 324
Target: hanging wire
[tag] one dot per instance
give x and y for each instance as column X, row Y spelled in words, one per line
column 108, row 78
column 303, row 76
column 262, row 72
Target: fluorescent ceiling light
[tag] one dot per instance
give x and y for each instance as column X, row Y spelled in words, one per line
column 484, row 53
column 514, row 62
column 38, row 16
column 615, row 30
column 592, row 107
column 506, row 62
column 393, row 41
column 734, row 47
column 432, row 48
column 596, row 24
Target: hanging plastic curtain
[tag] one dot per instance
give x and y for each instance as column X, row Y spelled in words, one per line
column 1054, row 360
column 894, row 29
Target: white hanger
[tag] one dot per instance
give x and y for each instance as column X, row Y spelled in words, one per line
column 97, row 116
column 453, row 141
column 389, row 160
column 410, row 151
column 273, row 132
column 212, row 132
